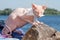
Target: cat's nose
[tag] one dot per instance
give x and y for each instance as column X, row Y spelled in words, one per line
column 40, row 14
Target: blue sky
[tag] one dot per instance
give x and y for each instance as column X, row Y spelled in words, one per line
column 27, row 3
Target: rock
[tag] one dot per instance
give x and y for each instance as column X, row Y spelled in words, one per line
column 40, row 32
column 57, row 35
column 48, row 38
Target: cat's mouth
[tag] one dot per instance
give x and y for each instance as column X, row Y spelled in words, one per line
column 41, row 15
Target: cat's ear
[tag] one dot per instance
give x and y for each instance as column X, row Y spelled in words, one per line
column 34, row 6
column 44, row 7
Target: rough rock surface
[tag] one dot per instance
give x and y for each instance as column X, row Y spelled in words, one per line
column 57, row 35
column 42, row 32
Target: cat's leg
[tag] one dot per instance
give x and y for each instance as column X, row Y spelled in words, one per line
column 6, row 32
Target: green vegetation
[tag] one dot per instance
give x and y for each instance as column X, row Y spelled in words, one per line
column 48, row 11
column 6, row 11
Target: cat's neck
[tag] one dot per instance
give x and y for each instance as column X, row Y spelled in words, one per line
column 30, row 11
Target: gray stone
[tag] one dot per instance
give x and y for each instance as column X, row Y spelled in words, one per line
column 40, row 32
column 57, row 35
column 48, row 38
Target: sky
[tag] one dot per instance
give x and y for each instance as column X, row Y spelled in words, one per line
column 27, row 3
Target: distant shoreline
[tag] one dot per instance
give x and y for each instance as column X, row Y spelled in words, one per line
column 48, row 11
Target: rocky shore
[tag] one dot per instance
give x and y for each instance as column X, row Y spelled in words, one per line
column 42, row 32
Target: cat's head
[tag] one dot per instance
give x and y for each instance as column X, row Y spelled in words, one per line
column 38, row 10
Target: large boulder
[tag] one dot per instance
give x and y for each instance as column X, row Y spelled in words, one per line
column 40, row 32
column 57, row 35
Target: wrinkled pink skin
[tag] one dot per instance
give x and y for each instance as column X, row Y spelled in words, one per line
column 2, row 36
column 5, row 36
column 14, row 21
